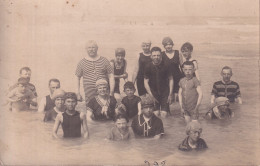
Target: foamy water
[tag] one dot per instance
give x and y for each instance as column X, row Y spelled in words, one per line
column 53, row 49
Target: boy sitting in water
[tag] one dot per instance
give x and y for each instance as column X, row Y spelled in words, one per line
column 190, row 93
column 20, row 98
column 131, row 102
column 226, row 87
column 121, row 131
column 58, row 98
column 221, row 109
column 119, row 64
column 193, row 141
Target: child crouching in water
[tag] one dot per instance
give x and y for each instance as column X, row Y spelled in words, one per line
column 121, row 131
column 190, row 93
column 21, row 97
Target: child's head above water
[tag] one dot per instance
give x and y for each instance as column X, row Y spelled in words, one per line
column 129, row 89
column 120, row 54
column 22, row 83
column 193, row 130
column 186, row 50
column 121, row 121
column 58, row 97
column 188, row 69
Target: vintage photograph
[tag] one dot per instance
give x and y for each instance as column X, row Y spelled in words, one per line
column 141, row 82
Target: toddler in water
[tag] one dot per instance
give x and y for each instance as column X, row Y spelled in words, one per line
column 121, row 131
column 119, row 64
column 131, row 102
column 186, row 51
column 190, row 93
column 20, row 97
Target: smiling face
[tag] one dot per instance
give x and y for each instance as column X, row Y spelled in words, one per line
column 194, row 135
column 121, row 124
column 188, row 70
column 146, row 47
column 226, row 75
column 168, row 47
column 92, row 49
column 120, row 58
column 148, row 112
column 70, row 104
column 156, row 57
column 129, row 92
column 59, row 102
column 186, row 53
column 102, row 89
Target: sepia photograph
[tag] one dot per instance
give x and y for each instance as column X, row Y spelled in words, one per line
column 141, row 82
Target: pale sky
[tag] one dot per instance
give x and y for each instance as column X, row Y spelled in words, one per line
column 135, row 7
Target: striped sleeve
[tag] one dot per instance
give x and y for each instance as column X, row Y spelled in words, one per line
column 108, row 66
column 214, row 90
column 79, row 70
column 238, row 94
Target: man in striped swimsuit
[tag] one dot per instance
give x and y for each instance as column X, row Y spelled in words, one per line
column 92, row 68
column 226, row 87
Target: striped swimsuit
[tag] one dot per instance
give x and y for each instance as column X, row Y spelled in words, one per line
column 91, row 71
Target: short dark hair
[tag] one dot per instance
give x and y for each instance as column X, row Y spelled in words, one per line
column 54, row 80
column 156, row 49
column 129, row 85
column 187, row 46
column 226, row 67
column 70, row 95
column 24, row 68
column 121, row 116
column 189, row 63
column 23, row 81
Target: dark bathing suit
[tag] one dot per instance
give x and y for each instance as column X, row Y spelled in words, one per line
column 71, row 125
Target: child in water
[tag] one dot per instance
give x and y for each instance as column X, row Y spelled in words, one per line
column 131, row 102
column 121, row 131
column 58, row 98
column 193, row 141
column 21, row 97
column 186, row 52
column 190, row 93
column 119, row 64
column 220, row 110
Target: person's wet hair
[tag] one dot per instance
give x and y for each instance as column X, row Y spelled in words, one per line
column 227, row 67
column 129, row 85
column 54, row 80
column 167, row 40
column 156, row 49
column 24, row 69
column 188, row 63
column 121, row 116
column 187, row 46
column 70, row 95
